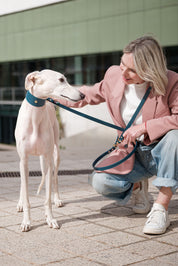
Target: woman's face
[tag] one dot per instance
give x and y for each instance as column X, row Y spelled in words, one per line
column 129, row 74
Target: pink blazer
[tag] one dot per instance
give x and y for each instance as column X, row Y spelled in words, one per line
column 160, row 112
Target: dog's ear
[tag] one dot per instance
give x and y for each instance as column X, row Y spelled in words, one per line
column 30, row 80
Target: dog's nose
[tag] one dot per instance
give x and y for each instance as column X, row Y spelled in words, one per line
column 82, row 96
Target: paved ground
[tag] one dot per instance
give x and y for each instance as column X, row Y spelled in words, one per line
column 94, row 230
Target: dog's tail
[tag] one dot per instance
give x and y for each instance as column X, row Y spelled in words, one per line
column 41, row 184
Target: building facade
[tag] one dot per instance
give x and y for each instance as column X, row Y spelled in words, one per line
column 80, row 38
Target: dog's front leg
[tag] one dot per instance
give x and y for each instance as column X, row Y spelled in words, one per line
column 48, row 206
column 24, row 198
column 20, row 202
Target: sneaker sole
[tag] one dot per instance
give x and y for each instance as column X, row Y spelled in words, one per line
column 141, row 211
column 151, row 231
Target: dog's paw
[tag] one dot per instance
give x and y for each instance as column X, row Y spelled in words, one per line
column 52, row 223
column 58, row 203
column 25, row 227
column 19, row 207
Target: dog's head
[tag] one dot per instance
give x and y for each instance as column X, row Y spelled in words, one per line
column 51, row 84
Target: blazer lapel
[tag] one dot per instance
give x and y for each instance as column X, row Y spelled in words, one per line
column 121, row 87
column 149, row 108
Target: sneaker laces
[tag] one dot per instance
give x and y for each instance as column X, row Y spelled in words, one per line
column 156, row 215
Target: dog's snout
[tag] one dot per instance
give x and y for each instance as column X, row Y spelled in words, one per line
column 82, row 96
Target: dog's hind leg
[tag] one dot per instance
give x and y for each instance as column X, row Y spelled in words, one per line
column 43, row 171
column 57, row 201
column 47, row 171
column 56, row 159
column 24, row 197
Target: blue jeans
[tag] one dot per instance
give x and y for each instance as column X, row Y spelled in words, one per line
column 160, row 159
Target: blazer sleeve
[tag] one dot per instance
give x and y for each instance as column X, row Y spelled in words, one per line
column 167, row 119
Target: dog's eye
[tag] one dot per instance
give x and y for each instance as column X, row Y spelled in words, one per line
column 61, row 80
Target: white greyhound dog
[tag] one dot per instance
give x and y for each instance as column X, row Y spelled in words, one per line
column 37, row 133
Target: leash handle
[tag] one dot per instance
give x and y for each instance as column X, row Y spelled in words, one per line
column 121, row 138
column 114, row 164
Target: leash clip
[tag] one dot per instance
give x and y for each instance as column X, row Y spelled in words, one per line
column 116, row 144
column 119, row 141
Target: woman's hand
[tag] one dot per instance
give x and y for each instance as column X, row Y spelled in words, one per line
column 134, row 132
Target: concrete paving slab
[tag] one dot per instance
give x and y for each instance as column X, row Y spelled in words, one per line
column 10, row 260
column 132, row 253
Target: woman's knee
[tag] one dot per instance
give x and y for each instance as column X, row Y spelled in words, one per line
column 168, row 145
column 106, row 184
column 98, row 180
column 171, row 138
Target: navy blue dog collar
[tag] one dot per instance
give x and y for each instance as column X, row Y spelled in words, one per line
column 31, row 99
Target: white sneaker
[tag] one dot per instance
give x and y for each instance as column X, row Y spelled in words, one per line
column 158, row 220
column 140, row 198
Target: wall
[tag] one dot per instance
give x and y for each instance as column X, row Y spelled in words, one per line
column 85, row 26
column 74, row 124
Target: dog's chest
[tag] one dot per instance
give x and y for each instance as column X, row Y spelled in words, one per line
column 34, row 130
column 41, row 140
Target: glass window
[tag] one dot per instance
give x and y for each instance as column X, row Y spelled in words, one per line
column 172, row 57
column 81, row 69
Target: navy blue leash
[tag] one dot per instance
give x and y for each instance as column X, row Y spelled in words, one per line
column 38, row 102
column 86, row 116
column 119, row 138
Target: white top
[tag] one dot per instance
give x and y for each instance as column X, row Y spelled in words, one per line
column 133, row 95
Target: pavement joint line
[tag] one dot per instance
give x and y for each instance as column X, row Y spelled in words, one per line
column 152, row 258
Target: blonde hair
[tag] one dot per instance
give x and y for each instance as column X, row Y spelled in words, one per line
column 150, row 62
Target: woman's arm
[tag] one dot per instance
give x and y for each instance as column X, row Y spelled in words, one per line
column 166, row 119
